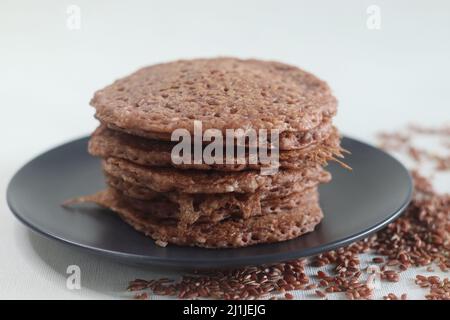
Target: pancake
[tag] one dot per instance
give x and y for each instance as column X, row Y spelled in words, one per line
column 268, row 228
column 288, row 140
column 189, row 208
column 215, row 208
column 109, row 143
column 197, row 181
column 222, row 93
column 141, row 192
column 215, row 205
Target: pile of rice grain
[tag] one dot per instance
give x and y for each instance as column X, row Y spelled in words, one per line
column 420, row 237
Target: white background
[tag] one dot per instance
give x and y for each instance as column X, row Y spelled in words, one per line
column 383, row 79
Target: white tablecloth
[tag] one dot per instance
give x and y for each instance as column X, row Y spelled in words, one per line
column 383, row 78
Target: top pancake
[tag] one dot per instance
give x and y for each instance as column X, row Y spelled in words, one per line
column 222, row 93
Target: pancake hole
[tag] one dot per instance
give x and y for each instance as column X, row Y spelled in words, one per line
column 255, row 237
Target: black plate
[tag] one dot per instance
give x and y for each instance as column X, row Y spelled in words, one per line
column 356, row 203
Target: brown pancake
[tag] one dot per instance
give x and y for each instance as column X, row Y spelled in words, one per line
column 222, row 93
column 109, row 143
column 268, row 228
column 215, row 208
column 288, row 140
column 197, row 181
column 141, row 192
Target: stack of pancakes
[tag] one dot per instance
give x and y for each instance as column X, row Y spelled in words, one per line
column 214, row 205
